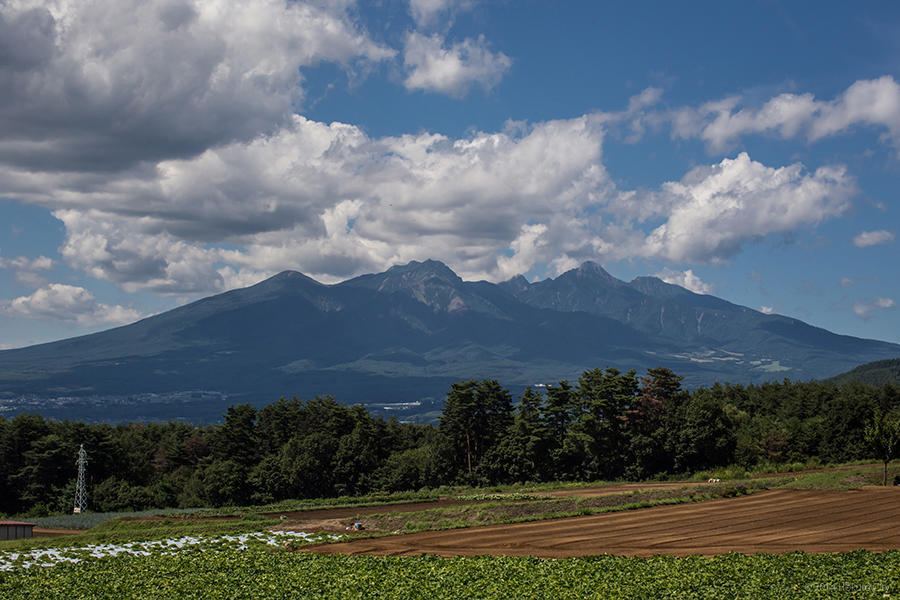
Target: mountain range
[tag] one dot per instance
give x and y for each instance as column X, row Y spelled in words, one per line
column 396, row 340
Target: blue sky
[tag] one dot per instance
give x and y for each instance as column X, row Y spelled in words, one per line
column 157, row 151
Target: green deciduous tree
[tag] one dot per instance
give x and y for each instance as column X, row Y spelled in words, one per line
column 883, row 436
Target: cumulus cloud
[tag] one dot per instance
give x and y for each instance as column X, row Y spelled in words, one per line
column 714, row 210
column 182, row 169
column 432, row 66
column 428, row 12
column 89, row 86
column 332, row 201
column 847, row 282
column 525, row 251
column 863, row 308
column 873, row 238
column 26, row 270
column 686, row 279
column 767, row 310
column 873, row 102
column 68, row 303
column 120, row 249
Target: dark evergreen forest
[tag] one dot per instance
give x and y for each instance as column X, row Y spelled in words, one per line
column 607, row 425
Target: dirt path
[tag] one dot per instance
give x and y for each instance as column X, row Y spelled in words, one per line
column 772, row 521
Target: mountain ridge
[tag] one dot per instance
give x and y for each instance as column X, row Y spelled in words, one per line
column 404, row 334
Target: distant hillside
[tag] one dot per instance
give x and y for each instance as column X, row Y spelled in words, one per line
column 879, row 372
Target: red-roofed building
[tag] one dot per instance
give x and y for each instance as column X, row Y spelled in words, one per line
column 15, row 530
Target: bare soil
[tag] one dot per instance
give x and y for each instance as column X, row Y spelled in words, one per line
column 774, row 521
column 54, row 531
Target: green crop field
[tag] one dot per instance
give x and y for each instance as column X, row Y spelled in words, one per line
column 214, row 571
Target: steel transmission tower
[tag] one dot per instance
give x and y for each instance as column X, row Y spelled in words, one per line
column 80, row 485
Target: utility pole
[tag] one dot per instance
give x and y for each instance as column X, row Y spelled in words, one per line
column 80, row 485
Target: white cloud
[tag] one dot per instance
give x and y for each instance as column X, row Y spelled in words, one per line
column 41, row 263
column 864, row 308
column 767, row 310
column 846, row 282
column 561, row 264
column 525, row 251
column 215, row 183
column 27, row 270
column 333, row 202
column 873, row 102
column 68, row 303
column 136, row 254
column 428, row 12
column 433, row 67
column 686, row 279
column 866, row 102
column 94, row 84
column 714, row 210
column 873, row 238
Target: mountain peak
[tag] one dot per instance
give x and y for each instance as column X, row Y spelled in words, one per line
column 516, row 284
column 431, row 282
column 654, row 286
column 590, row 270
column 289, row 276
column 590, row 266
column 425, row 268
column 285, row 280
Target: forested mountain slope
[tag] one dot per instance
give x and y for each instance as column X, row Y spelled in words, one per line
column 880, row 372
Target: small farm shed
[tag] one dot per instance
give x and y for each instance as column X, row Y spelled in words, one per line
column 15, row 530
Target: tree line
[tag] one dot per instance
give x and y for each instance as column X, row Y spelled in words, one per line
column 607, row 425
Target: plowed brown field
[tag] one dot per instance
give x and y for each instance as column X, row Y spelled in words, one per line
column 773, row 521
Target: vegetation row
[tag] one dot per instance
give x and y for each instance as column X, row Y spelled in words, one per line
column 257, row 573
